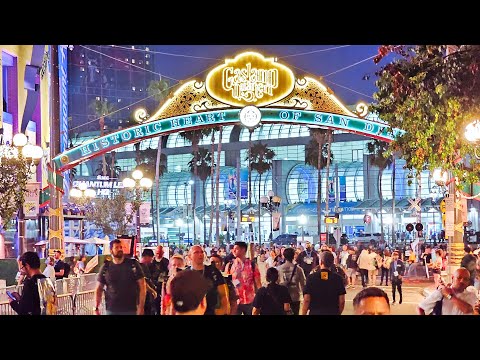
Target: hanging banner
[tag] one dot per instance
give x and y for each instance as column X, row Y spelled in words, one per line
column 129, row 211
column 276, row 220
column 331, row 189
column 233, row 184
column 32, row 200
column 145, row 213
column 342, row 180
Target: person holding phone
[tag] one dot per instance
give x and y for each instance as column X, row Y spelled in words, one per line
column 29, row 302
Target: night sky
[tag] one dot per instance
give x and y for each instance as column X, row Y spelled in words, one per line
column 318, row 64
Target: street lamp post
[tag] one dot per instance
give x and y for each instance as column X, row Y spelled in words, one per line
column 190, row 182
column 228, row 207
column 82, row 196
column 29, row 156
column 270, row 203
column 302, row 219
column 138, row 183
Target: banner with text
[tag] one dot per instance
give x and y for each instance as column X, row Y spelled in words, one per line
column 32, row 200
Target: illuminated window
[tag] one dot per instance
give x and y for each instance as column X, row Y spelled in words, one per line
column 126, row 59
column 133, row 88
column 147, row 49
column 147, row 62
column 147, row 56
column 133, row 61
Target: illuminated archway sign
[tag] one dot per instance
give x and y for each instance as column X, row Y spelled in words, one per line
column 249, row 82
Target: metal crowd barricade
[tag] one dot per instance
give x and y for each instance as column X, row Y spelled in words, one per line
column 75, row 296
column 85, row 302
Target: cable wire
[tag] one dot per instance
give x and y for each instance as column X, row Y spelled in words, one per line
column 166, row 53
column 314, row 51
column 349, row 66
column 124, row 62
column 136, row 102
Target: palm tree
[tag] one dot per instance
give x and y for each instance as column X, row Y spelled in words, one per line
column 261, row 159
column 102, row 109
column 194, row 137
column 149, row 168
column 212, row 184
column 217, row 184
column 109, row 167
column 159, row 89
column 329, row 160
column 377, row 149
column 201, row 163
column 315, row 147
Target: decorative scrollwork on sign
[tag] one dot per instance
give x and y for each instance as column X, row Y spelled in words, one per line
column 141, row 115
column 362, row 109
column 190, row 98
column 310, row 94
column 64, row 159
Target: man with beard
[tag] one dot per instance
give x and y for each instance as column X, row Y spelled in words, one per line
column 124, row 284
column 308, row 259
column 159, row 276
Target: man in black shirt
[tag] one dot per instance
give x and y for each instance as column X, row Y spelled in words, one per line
column 124, row 284
column 324, row 293
column 307, row 259
column 148, row 268
column 29, row 302
column 59, row 266
column 159, row 276
column 217, row 296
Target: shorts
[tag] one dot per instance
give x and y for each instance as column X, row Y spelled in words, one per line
column 351, row 272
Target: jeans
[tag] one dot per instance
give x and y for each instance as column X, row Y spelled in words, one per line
column 385, row 272
column 245, row 309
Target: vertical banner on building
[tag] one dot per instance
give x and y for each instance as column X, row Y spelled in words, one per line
column 233, row 184
column 343, row 188
column 331, row 189
column 223, row 220
column 32, row 200
column 145, row 213
column 63, row 91
column 276, row 220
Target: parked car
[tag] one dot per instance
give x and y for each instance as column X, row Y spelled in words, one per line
column 285, row 239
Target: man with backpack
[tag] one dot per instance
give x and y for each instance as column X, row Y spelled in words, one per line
column 123, row 281
column 293, row 277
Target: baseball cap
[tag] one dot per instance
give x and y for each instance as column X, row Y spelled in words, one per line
column 188, row 288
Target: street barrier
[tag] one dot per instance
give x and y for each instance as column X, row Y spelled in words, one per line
column 75, row 296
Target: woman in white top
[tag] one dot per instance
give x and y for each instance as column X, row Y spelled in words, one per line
column 49, row 270
column 437, row 267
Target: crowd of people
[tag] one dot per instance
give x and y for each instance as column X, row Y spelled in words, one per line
column 250, row 279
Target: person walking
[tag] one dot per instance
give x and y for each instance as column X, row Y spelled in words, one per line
column 324, row 292
column 293, row 278
column 123, row 281
column 29, row 302
column 363, row 266
column 308, row 259
column 397, row 269
column 385, row 268
column 273, row 299
column 245, row 276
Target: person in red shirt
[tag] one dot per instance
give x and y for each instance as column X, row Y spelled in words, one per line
column 245, row 277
